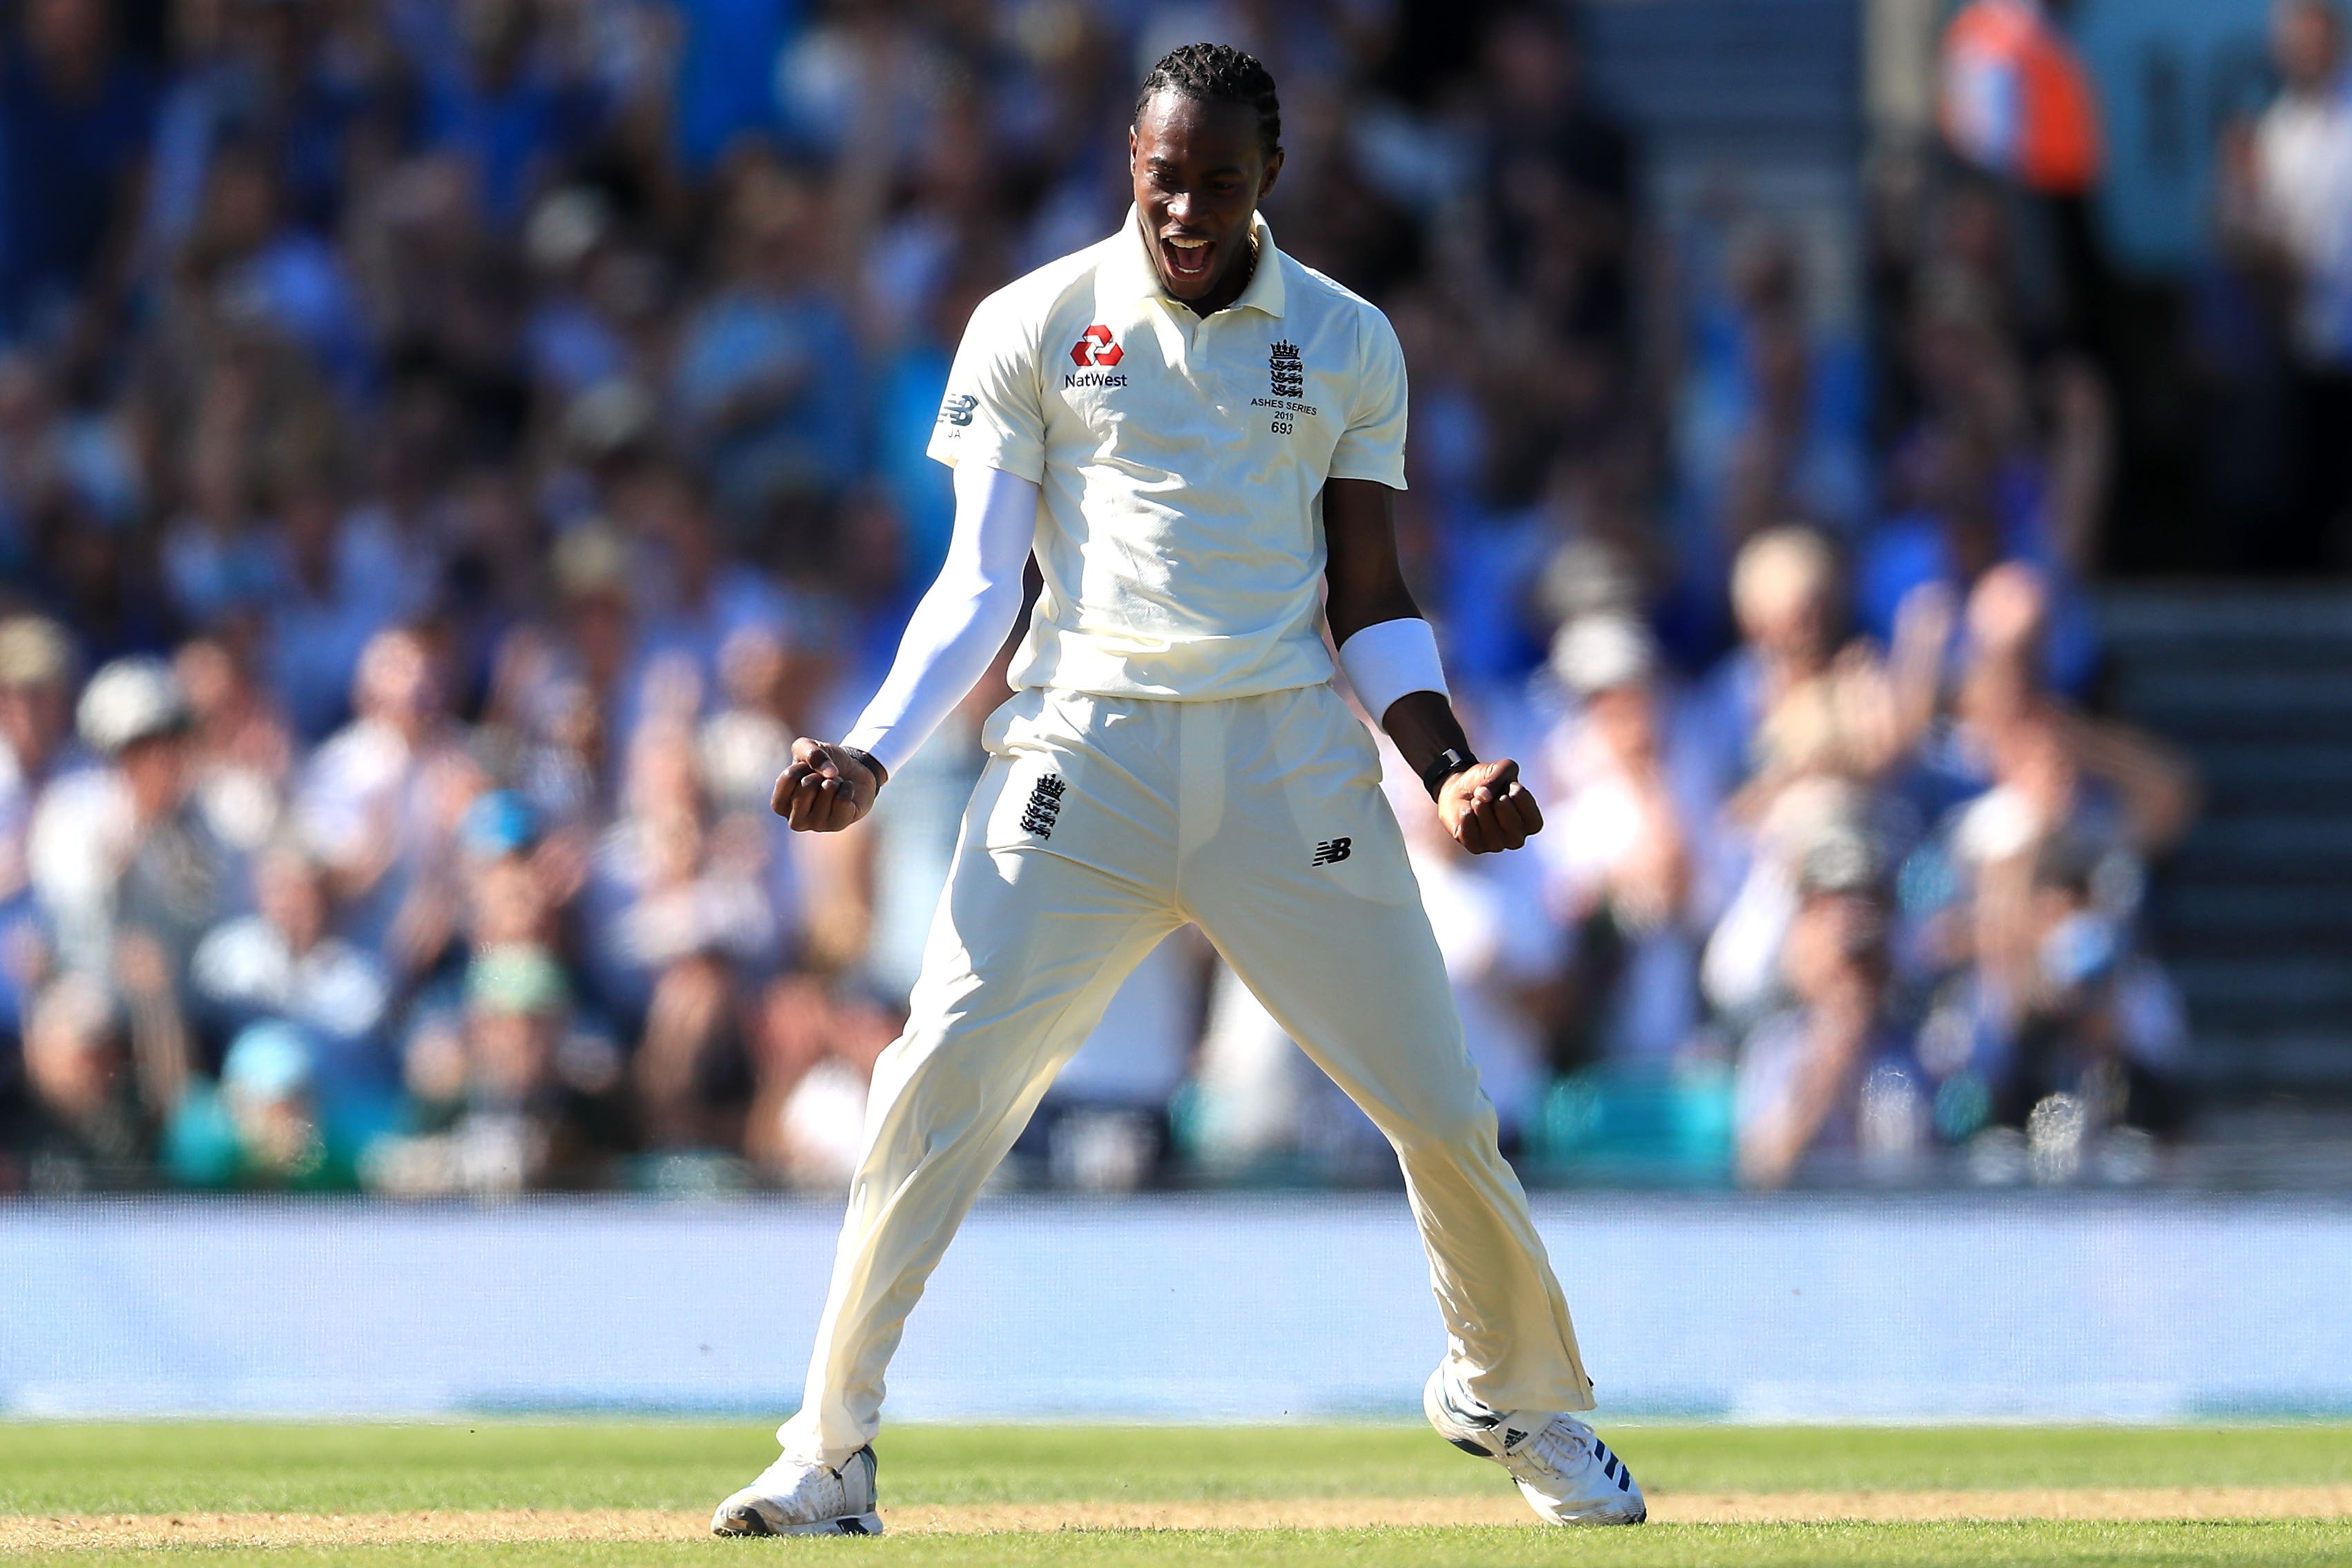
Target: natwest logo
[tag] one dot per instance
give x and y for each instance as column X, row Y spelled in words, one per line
column 1096, row 346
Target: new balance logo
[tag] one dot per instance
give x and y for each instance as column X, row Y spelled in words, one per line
column 958, row 409
column 1044, row 806
column 1331, row 852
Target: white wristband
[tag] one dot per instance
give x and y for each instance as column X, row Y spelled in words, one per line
column 1390, row 658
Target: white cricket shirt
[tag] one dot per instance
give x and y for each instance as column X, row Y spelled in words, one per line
column 1181, row 461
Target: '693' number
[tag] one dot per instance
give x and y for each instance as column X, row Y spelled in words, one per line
column 1282, row 427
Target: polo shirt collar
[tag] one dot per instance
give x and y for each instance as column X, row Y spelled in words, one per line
column 1140, row 278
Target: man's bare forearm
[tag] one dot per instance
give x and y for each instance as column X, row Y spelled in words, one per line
column 1424, row 726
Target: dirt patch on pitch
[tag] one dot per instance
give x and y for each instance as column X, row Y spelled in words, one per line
column 117, row 1532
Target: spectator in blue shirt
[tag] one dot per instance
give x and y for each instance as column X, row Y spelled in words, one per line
column 74, row 124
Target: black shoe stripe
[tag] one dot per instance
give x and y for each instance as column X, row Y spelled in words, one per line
column 1485, row 1422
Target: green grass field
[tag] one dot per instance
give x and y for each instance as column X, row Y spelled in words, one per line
column 53, row 1472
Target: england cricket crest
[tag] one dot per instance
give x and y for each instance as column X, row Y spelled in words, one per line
column 1285, row 371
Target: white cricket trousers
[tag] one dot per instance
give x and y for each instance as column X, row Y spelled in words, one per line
column 1100, row 825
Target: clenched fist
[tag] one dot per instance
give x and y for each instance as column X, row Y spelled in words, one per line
column 1485, row 807
column 826, row 788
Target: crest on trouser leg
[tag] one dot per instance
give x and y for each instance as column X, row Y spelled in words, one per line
column 1044, row 806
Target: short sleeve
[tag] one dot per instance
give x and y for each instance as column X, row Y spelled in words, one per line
column 990, row 414
column 1372, row 446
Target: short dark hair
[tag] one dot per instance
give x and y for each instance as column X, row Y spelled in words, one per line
column 1218, row 73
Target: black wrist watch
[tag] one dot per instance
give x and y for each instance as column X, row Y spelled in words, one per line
column 881, row 774
column 1450, row 761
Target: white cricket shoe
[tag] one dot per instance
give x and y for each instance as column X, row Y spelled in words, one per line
column 1565, row 1471
column 794, row 1497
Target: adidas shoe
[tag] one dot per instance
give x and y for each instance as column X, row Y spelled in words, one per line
column 793, row 1498
column 1565, row 1471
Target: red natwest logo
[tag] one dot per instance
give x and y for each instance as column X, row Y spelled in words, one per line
column 1096, row 346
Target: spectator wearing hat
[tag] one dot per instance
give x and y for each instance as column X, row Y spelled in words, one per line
column 126, row 870
column 1619, row 869
column 264, row 1127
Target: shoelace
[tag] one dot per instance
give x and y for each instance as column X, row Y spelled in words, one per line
column 1561, row 1445
column 819, row 1489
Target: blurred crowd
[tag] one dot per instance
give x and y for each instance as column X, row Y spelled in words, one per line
column 448, row 448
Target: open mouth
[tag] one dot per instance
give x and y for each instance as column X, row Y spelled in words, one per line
column 1187, row 259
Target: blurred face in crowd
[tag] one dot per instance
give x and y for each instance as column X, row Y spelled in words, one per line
column 69, row 37
column 1200, row 171
column 277, row 1131
column 671, row 512
column 1836, row 948
column 2007, row 611
column 2308, row 43
column 1533, row 66
column 753, row 667
column 495, row 31
column 774, row 233
column 32, row 720
column 663, row 782
column 23, row 399
column 600, row 630
column 155, row 768
column 241, row 208
column 307, row 520
column 1782, row 596
column 1627, row 727
column 292, row 896
column 209, row 674
column 2032, row 760
column 510, row 902
column 396, row 681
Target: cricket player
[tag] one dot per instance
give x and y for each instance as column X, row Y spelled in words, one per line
column 1200, row 440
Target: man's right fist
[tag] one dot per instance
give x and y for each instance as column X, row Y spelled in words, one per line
column 826, row 788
